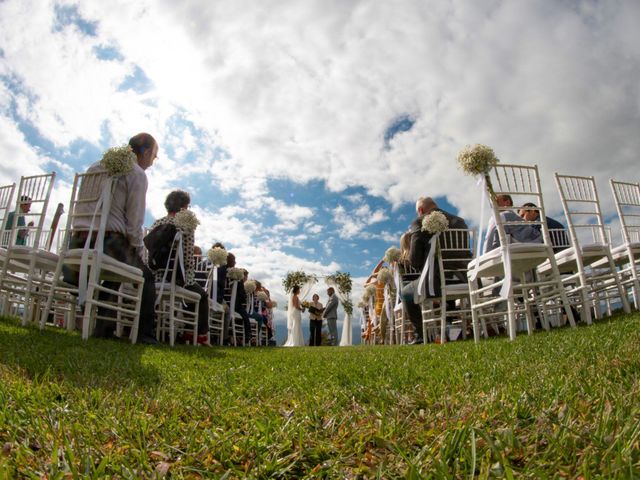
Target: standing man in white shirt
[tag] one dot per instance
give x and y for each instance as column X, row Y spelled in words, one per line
column 124, row 232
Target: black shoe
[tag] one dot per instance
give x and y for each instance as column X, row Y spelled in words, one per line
column 148, row 340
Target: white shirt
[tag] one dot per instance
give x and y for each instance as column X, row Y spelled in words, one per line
column 128, row 205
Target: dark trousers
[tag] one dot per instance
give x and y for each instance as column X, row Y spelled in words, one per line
column 414, row 310
column 315, row 326
column 203, row 308
column 117, row 246
column 246, row 321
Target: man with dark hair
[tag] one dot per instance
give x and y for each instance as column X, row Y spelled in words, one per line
column 331, row 314
column 559, row 238
column 124, row 233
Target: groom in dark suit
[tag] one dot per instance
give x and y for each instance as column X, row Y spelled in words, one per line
column 331, row 314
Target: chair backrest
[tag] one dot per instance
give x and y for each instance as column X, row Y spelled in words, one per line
column 88, row 207
column 455, row 254
column 36, row 191
column 581, row 205
column 627, row 198
column 6, row 196
column 522, row 184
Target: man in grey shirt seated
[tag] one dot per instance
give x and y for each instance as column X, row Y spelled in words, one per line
column 124, row 233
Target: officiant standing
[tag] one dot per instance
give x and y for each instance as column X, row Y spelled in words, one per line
column 315, row 321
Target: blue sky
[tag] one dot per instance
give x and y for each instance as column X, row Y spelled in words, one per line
column 306, row 130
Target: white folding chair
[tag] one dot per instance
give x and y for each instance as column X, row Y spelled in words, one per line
column 27, row 263
column 216, row 310
column 234, row 319
column 402, row 325
column 172, row 313
column 588, row 269
column 6, row 196
column 507, row 272
column 89, row 206
column 454, row 247
column 627, row 255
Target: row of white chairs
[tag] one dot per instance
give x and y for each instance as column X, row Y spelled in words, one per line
column 572, row 271
column 32, row 281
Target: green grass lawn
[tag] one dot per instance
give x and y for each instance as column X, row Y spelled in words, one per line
column 559, row 404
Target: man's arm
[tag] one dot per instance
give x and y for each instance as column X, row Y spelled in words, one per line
column 135, row 207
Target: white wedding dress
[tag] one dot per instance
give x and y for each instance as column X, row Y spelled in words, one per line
column 294, row 326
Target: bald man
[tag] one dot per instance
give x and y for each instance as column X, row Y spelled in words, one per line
column 418, row 254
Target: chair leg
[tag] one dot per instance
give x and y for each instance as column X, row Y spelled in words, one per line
column 511, row 316
column 621, row 291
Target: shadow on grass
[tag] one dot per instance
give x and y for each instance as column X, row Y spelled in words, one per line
column 55, row 354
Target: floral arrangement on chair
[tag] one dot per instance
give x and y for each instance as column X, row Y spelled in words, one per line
column 274, row 304
column 435, row 222
column 262, row 296
column 217, row 256
column 250, row 286
column 385, row 276
column 298, row 278
column 362, row 304
column 186, row 221
column 235, row 273
column 392, row 255
column 477, row 160
column 118, row 161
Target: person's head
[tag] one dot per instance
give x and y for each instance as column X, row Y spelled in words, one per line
column 529, row 212
column 25, row 203
column 295, row 290
column 146, row 149
column 405, row 243
column 245, row 272
column 504, row 200
column 218, row 245
column 231, row 260
column 197, row 251
column 315, row 297
column 425, row 205
column 176, row 201
column 330, row 291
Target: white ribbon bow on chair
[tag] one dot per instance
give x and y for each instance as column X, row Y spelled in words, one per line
column 427, row 272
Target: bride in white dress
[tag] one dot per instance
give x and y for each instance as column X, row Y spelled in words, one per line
column 294, row 321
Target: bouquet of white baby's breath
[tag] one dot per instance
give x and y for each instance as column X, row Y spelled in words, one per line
column 385, row 276
column 186, row 221
column 274, row 304
column 235, row 273
column 362, row 304
column 118, row 160
column 435, row 222
column 262, row 296
column 392, row 255
column 217, row 256
column 477, row 160
column 250, row 286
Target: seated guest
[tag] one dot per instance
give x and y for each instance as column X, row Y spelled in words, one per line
column 23, row 233
column 241, row 302
column 519, row 233
column 123, row 237
column 558, row 233
column 407, row 273
column 176, row 201
column 418, row 254
column 201, row 267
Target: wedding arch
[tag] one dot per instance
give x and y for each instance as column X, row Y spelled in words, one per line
column 340, row 281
